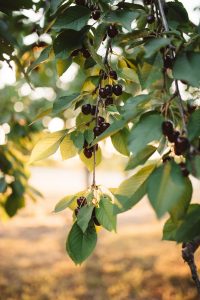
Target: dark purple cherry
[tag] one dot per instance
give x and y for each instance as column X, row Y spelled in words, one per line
column 147, row 2
column 102, row 93
column 108, row 90
column 168, row 62
column 75, row 52
column 76, row 211
column 93, row 110
column 100, row 120
column 97, row 130
column 112, row 31
column 108, row 101
column 85, row 53
column 81, row 201
column 181, row 145
column 184, row 169
column 113, row 74
column 167, row 127
column 96, row 14
column 104, row 126
column 117, row 89
column 172, row 137
column 150, row 19
column 86, row 109
column 87, row 152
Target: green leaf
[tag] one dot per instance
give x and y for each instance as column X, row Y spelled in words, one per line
column 147, row 130
column 64, row 203
column 89, row 136
column 166, row 188
column 75, row 17
column 68, row 41
column 78, row 139
column 89, row 162
column 44, row 55
column 47, row 146
column 178, row 212
column 186, row 67
column 97, row 58
column 194, row 125
column 119, row 141
column 112, row 129
column 122, row 17
column 129, row 74
column 129, row 186
column 154, row 45
column 65, row 102
column 67, row 148
column 62, row 65
column 105, row 214
column 80, row 245
column 193, row 165
column 84, row 217
column 169, row 230
column 141, row 157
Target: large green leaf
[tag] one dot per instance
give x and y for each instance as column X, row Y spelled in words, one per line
column 193, row 165
column 65, row 102
column 119, row 141
column 68, row 41
column 123, row 17
column 67, row 148
column 186, row 67
column 64, row 203
column 105, row 214
column 47, row 145
column 141, row 157
column 84, row 217
column 44, row 55
column 194, row 125
column 154, row 45
column 147, row 130
column 129, row 74
column 80, row 245
column 167, row 187
column 3, row 185
column 75, row 17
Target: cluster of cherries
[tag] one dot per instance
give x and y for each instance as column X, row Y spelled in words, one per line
column 96, row 12
column 151, row 17
column 82, row 201
column 181, row 143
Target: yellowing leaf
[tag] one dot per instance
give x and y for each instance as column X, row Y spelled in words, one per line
column 67, row 148
column 89, row 162
column 47, row 146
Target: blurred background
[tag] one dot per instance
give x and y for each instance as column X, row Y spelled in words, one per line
column 133, row 264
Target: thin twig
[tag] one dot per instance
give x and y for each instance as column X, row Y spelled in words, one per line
column 188, row 250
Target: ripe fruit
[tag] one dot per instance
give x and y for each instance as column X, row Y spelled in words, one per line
column 167, row 127
column 113, row 74
column 81, row 201
column 112, row 31
column 173, row 136
column 87, row 152
column 76, row 211
column 104, row 126
column 80, row 2
column 85, row 53
column 150, row 19
column 184, row 169
column 93, row 110
column 117, row 89
column 108, row 101
column 100, row 120
column 102, row 93
column 191, row 108
column 86, row 109
column 181, row 145
column 97, row 130
column 96, row 14
column 168, row 62
column 75, row 52
column 108, row 90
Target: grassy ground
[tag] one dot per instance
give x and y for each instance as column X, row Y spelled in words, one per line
column 133, row 264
